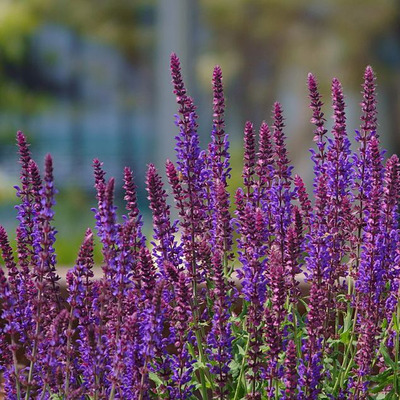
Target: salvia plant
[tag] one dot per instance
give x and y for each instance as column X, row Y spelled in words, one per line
column 212, row 307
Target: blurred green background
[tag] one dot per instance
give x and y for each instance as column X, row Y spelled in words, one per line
column 85, row 79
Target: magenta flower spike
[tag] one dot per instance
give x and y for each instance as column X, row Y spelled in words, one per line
column 290, row 374
column 166, row 248
column 318, row 120
column 249, row 159
column 219, row 146
column 368, row 104
column 264, row 164
column 215, row 307
column 391, row 233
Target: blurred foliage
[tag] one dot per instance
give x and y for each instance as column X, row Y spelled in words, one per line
column 255, row 41
column 265, row 37
column 125, row 24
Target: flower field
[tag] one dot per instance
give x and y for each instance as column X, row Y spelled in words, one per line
column 210, row 307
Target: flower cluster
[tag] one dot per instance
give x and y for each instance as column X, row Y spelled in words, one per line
column 268, row 295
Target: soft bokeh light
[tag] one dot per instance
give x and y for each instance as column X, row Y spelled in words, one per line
column 85, row 81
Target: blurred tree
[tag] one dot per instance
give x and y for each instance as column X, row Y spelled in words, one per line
column 128, row 25
column 268, row 37
column 124, row 24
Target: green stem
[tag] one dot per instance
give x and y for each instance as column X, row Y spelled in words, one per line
column 345, row 367
column 396, row 354
column 242, row 368
column 202, row 374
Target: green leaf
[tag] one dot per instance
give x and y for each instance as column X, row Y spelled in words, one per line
column 386, row 396
column 348, row 322
column 198, row 365
column 241, row 350
column 345, row 337
column 155, row 378
column 395, row 323
column 234, row 366
column 388, row 361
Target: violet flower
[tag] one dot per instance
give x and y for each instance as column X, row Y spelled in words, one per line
column 371, row 275
column 274, row 316
column 106, row 222
column 368, row 105
column 368, row 128
column 133, row 211
column 220, row 336
column 265, row 163
column 189, row 167
column 290, row 375
column 249, row 159
column 391, row 230
column 305, row 203
column 340, row 220
column 319, row 121
column 81, row 295
column 252, row 227
column 293, row 249
column 11, row 310
column 166, row 248
column 182, row 365
column 219, row 146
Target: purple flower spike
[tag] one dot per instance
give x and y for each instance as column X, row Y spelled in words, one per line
column 45, row 218
column 189, row 194
column 290, row 374
column 249, row 159
column 106, row 219
column 371, row 277
column 182, row 364
column 283, row 170
column 81, row 296
column 252, row 249
column 304, row 200
column 222, row 229
column 6, row 352
column 148, row 272
column 26, row 208
column 340, row 173
column 132, row 208
column 166, row 248
column 265, row 163
column 186, row 106
column 219, row 146
column 319, row 121
column 163, row 320
column 391, row 201
column 218, row 102
column 368, row 105
column 12, row 310
column 275, row 315
column 368, row 129
column 294, row 248
column 220, row 337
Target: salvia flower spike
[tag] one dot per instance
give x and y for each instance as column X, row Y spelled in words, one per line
column 271, row 294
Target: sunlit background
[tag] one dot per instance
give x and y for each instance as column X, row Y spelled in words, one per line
column 85, row 79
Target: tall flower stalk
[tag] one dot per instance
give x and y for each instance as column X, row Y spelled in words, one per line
column 214, row 306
